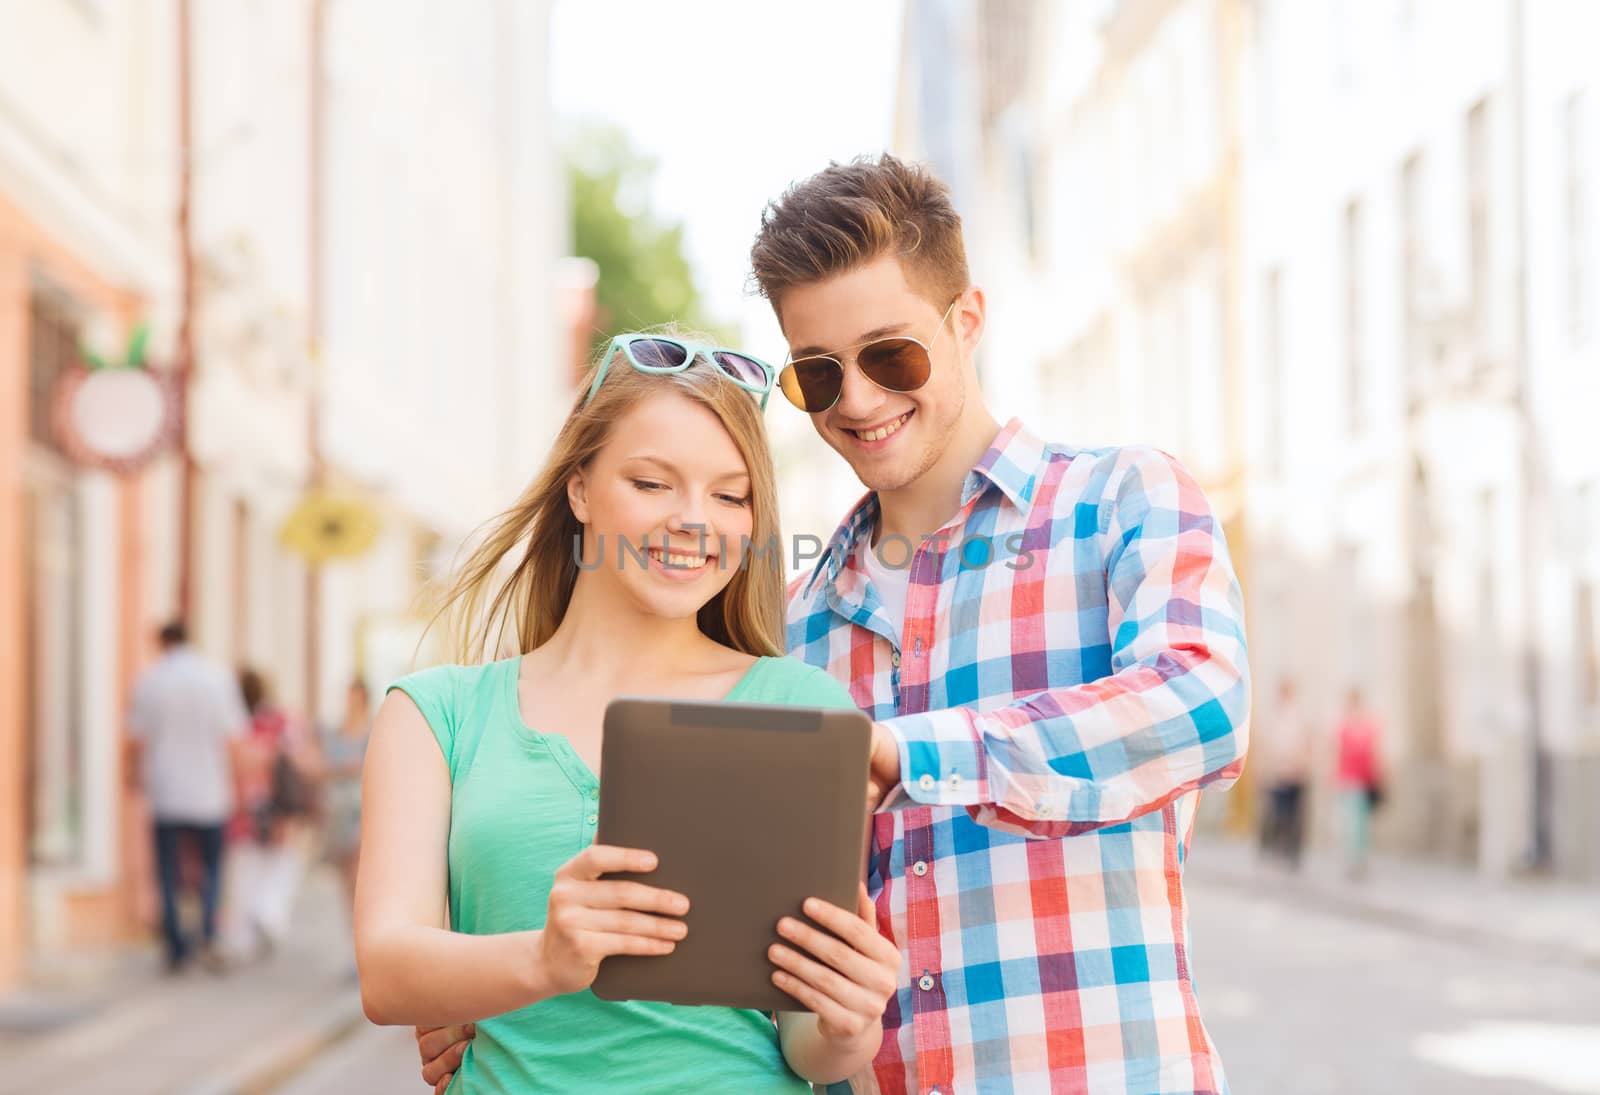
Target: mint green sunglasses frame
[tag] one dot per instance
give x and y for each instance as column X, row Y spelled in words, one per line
column 693, row 351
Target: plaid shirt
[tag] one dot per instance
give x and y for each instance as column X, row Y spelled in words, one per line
column 1057, row 710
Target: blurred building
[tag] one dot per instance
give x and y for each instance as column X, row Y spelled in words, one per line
column 86, row 248
column 1418, row 351
column 376, row 220
column 1099, row 151
column 1347, row 276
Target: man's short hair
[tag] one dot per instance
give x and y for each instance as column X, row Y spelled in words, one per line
column 850, row 214
column 174, row 633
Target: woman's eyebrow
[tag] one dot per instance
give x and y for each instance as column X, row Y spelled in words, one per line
column 668, row 466
column 650, row 458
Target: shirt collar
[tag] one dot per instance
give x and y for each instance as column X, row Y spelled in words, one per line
column 1011, row 464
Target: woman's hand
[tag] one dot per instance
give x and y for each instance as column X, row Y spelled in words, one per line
column 846, row 978
column 589, row 919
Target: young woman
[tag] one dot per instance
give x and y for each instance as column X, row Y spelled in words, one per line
column 482, row 780
column 272, row 826
column 343, row 750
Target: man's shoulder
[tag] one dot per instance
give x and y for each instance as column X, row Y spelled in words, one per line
column 1103, row 474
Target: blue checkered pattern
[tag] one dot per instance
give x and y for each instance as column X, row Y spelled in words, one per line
column 1070, row 673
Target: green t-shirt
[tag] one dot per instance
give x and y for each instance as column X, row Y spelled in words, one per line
column 522, row 804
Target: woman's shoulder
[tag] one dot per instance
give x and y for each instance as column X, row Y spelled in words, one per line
column 453, row 699
column 446, row 687
column 446, row 675
column 787, row 679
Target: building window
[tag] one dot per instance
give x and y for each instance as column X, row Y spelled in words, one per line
column 1272, row 367
column 1411, row 268
column 1587, row 618
column 53, row 331
column 1575, row 139
column 1359, row 636
column 1266, row 48
column 1586, row 603
column 1479, row 193
column 1355, row 368
column 52, row 688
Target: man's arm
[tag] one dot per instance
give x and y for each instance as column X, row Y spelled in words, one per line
column 1172, row 717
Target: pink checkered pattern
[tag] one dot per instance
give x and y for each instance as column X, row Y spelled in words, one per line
column 1071, row 672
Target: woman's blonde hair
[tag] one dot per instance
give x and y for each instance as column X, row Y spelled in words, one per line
column 479, row 604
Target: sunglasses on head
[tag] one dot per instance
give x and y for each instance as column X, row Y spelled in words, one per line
column 659, row 355
column 895, row 364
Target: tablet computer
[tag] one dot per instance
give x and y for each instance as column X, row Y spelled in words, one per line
column 750, row 809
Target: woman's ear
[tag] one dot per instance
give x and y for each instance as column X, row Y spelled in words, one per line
column 578, row 496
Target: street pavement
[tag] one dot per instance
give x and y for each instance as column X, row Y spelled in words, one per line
column 1312, row 985
column 1422, row 980
column 1301, row 1001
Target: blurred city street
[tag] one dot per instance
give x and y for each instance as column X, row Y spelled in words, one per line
column 1309, row 984
column 294, row 296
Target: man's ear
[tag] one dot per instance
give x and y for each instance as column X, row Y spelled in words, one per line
column 578, row 496
column 968, row 319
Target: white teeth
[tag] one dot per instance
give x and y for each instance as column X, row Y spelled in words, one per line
column 882, row 431
column 688, row 562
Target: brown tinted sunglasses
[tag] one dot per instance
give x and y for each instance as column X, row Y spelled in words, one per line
column 895, row 364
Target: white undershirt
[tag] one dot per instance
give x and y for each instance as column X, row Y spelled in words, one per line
column 889, row 582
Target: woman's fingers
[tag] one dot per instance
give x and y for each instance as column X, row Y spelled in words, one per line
column 632, row 895
column 607, row 944
column 868, row 959
column 857, row 929
column 844, row 991
column 827, row 1010
column 600, row 859
column 623, row 922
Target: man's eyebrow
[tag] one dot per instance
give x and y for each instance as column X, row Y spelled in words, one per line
column 876, row 332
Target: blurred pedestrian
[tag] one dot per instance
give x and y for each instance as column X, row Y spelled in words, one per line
column 185, row 724
column 1283, row 751
column 1360, row 777
column 271, row 829
column 343, row 752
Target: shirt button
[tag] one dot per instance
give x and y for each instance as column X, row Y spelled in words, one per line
column 592, row 818
column 919, row 868
column 894, row 659
column 955, row 780
column 926, row 782
column 917, row 646
column 594, row 794
column 926, row 983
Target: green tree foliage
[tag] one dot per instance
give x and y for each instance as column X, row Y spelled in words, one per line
column 645, row 279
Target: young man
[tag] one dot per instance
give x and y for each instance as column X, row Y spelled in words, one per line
column 185, row 726
column 1051, row 641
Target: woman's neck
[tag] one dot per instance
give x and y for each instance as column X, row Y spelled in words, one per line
column 604, row 635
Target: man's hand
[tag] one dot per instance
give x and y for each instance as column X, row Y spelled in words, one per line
column 441, row 1049
column 883, row 766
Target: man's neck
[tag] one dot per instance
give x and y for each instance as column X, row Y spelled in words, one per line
column 923, row 506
